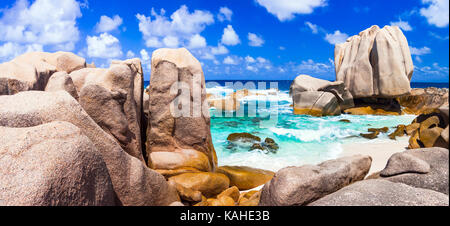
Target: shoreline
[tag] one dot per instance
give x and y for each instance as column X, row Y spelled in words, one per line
column 379, row 151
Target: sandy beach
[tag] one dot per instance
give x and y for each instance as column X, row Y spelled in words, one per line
column 379, row 151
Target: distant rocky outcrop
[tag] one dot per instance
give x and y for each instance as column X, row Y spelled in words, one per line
column 422, row 101
column 317, row 97
column 375, row 63
column 52, row 164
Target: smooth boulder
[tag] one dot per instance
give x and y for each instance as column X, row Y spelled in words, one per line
column 52, row 164
column 244, row 177
column 382, row 193
column 133, row 182
column 296, row 186
column 209, row 184
column 375, row 63
column 422, row 168
column 183, row 134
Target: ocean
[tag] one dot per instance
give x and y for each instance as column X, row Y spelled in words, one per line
column 301, row 139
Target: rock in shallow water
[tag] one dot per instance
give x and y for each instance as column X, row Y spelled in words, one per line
column 52, row 164
column 296, row 186
column 382, row 193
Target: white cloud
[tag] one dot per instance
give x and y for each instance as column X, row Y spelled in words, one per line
column 9, row 50
column 436, row 13
column 145, row 56
column 130, row 54
column 309, row 66
column 313, row 27
column 230, row 60
column 252, row 68
column 404, row 25
column 197, row 41
column 230, row 37
column 107, row 24
column 255, row 40
column 261, row 60
column 282, row 48
column 224, row 14
column 161, row 31
column 219, row 50
column 419, row 51
column 103, row 46
column 336, row 38
column 286, row 9
column 44, row 23
column 250, row 59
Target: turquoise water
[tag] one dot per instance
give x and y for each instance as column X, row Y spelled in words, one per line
column 301, row 139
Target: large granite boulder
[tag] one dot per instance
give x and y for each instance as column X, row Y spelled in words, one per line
column 32, row 70
column 61, row 81
column 296, row 186
column 115, row 90
column 375, row 63
column 178, row 138
column 422, row 101
column 422, row 168
column 312, row 96
column 208, row 183
column 52, row 164
column 382, row 193
column 133, row 182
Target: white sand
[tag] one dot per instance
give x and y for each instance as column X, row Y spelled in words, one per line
column 379, row 151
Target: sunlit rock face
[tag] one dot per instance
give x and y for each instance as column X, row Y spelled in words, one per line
column 375, row 63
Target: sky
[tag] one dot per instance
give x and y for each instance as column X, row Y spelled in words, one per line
column 233, row 39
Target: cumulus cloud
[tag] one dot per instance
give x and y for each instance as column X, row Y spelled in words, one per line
column 107, row 24
column 230, row 60
column 419, row 51
column 255, row 40
column 404, row 25
column 309, row 66
column 178, row 29
column 197, row 41
column 286, row 9
column 42, row 24
column 250, row 59
column 336, row 38
column 11, row 49
column 103, row 46
column 230, row 37
column 219, row 50
column 224, row 14
column 130, row 54
column 436, row 12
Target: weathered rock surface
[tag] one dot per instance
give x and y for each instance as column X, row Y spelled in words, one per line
column 295, row 186
column 311, row 96
column 32, row 70
column 375, row 63
column 382, row 193
column 316, row 103
column 244, row 177
column 422, row 101
column 172, row 133
column 61, row 81
column 209, row 184
column 133, row 182
column 422, row 168
column 430, row 129
column 52, row 164
column 119, row 91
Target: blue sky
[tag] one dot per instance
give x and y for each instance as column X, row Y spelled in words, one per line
column 234, row 39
